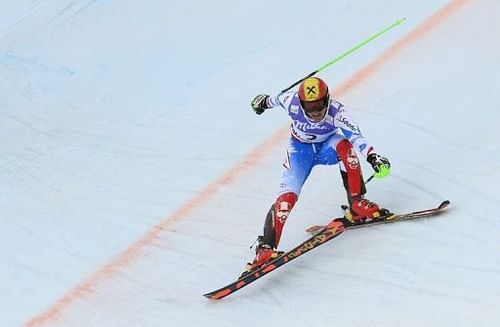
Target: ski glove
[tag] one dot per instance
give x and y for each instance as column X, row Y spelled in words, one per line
column 259, row 103
column 381, row 165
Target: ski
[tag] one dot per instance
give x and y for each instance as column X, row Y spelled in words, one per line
column 328, row 232
column 385, row 219
column 321, row 235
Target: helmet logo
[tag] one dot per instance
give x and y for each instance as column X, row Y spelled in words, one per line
column 312, row 89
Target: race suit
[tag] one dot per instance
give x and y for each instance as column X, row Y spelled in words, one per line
column 313, row 143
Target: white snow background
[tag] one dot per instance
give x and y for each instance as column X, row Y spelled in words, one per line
column 115, row 114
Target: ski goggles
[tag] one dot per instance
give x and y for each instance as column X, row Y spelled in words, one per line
column 314, row 106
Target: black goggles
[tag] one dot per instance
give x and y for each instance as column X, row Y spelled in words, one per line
column 315, row 106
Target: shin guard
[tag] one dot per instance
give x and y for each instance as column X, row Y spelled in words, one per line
column 350, row 170
column 276, row 218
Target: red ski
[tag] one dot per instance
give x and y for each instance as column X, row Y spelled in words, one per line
column 385, row 219
column 333, row 229
column 321, row 235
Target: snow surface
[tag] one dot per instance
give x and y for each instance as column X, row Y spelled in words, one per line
column 115, row 114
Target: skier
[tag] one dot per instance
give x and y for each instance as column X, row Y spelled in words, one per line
column 322, row 133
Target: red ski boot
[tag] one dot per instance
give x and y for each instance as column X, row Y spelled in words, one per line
column 264, row 253
column 362, row 209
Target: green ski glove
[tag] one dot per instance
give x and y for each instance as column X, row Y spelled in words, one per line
column 380, row 165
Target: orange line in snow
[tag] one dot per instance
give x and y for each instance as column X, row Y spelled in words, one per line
column 124, row 259
column 136, row 249
column 370, row 69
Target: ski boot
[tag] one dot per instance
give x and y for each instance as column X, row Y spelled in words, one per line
column 363, row 211
column 264, row 253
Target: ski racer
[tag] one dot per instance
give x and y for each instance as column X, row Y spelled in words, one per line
column 322, row 133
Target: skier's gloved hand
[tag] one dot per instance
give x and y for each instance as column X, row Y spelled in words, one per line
column 259, row 103
column 381, row 165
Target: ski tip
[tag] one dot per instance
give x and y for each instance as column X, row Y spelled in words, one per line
column 314, row 229
column 444, row 204
column 218, row 295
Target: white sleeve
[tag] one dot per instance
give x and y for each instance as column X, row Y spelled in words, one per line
column 282, row 99
column 350, row 129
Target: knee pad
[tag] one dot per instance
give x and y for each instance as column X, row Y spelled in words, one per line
column 347, row 155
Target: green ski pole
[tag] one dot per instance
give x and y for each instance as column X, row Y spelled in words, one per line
column 348, row 52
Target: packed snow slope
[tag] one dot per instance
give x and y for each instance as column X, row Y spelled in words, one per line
column 133, row 178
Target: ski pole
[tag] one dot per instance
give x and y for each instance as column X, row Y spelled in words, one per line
column 348, row 52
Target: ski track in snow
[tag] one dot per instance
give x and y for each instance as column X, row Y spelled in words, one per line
column 54, row 13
